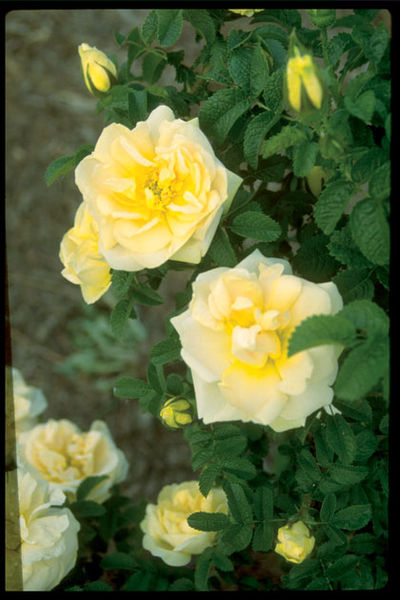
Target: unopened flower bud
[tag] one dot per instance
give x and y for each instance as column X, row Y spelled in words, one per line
column 315, row 179
column 176, row 412
column 322, row 17
column 294, row 542
column 99, row 72
column 304, row 83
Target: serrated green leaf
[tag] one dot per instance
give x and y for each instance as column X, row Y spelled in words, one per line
column 220, row 111
column 324, row 452
column 248, row 67
column 165, row 351
column 207, row 477
column 137, row 106
column 348, row 474
column 202, row 570
column 313, row 261
column 366, row 316
column 328, row 507
column 169, row 25
column 331, row 204
column 354, row 284
column 256, row 131
column 304, row 157
column 307, row 463
column 379, row 186
column 340, row 437
column 237, row 537
column 263, row 537
column 287, row 137
column 65, row 164
column 366, row 165
column 239, row 506
column 341, row 566
column 363, row 543
column 145, row 295
column 87, row 486
column 118, row 560
column 201, row 457
column 257, row 226
column 119, row 316
column 367, row 444
column 352, row 517
column 238, row 465
column 363, row 107
column 343, row 248
column 149, row 27
column 263, row 502
column 362, row 368
column 318, row 330
column 204, row 521
column 202, row 22
column 221, row 250
column 130, row 387
column 120, row 282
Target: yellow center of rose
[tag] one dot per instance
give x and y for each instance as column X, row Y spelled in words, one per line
column 62, row 462
column 258, row 331
column 159, row 194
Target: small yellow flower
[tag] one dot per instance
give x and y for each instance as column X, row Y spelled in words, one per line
column 294, row 542
column 246, row 12
column 301, row 73
column 176, row 413
column 99, row 72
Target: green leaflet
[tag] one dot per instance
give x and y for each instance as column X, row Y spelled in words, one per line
column 331, row 204
column 318, row 330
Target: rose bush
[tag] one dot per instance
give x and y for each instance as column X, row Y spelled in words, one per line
column 155, row 192
column 167, row 533
column 59, row 452
column 234, row 338
column 49, row 534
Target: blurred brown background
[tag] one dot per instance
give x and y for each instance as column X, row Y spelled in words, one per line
column 59, row 344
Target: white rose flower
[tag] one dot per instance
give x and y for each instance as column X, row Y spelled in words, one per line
column 29, row 402
column 234, row 338
column 60, row 453
column 156, row 192
column 49, row 536
column 167, row 533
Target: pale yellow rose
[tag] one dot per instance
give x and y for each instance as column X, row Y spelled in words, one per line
column 49, row 536
column 167, row 533
column 63, row 455
column 156, row 192
column 99, row 72
column 79, row 253
column 294, row 542
column 246, row 12
column 29, row 402
column 234, row 337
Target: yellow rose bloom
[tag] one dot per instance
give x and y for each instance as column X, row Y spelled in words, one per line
column 60, row 453
column 294, row 542
column 167, row 533
column 156, row 192
column 301, row 73
column 99, row 72
column 79, row 253
column 234, row 337
column 29, row 402
column 49, row 536
column 246, row 12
